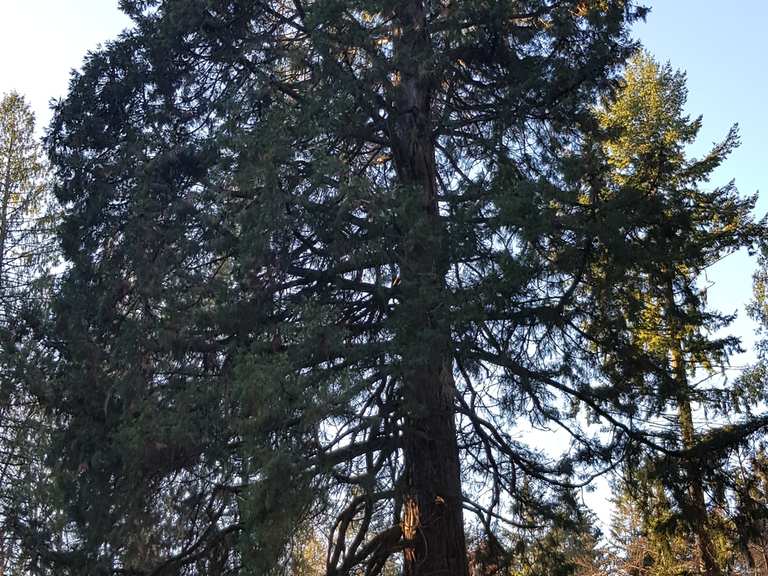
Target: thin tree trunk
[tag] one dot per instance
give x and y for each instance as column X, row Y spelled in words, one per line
column 696, row 491
column 6, row 201
column 432, row 509
column 697, row 504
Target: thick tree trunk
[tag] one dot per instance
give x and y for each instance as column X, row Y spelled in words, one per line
column 432, row 505
column 432, row 516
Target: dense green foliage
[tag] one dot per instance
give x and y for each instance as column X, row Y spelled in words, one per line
column 328, row 262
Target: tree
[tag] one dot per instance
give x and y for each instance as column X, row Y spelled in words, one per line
column 327, row 257
column 747, row 472
column 569, row 545
column 648, row 537
column 653, row 311
column 749, row 511
column 22, row 200
column 25, row 252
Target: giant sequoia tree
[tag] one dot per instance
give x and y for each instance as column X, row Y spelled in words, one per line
column 326, row 259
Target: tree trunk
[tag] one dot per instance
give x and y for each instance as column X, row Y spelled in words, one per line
column 708, row 562
column 4, row 205
column 697, row 504
column 432, row 504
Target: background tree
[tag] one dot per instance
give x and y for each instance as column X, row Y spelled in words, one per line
column 647, row 535
column 26, row 254
column 568, row 545
column 652, row 314
column 745, row 484
column 22, row 201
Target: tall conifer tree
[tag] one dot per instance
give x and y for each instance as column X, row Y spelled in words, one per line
column 23, row 223
column 746, row 481
column 26, row 252
column 291, row 226
column 653, row 319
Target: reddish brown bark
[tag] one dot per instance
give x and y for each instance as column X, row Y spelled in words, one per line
column 432, row 510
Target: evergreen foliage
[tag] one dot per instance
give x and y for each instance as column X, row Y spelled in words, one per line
column 663, row 350
column 328, row 260
column 27, row 253
column 25, row 226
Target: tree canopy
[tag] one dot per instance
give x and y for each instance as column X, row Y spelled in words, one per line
column 327, row 264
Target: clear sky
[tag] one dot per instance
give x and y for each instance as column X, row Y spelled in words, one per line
column 722, row 46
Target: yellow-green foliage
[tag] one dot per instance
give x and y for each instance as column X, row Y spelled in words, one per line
column 647, row 119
